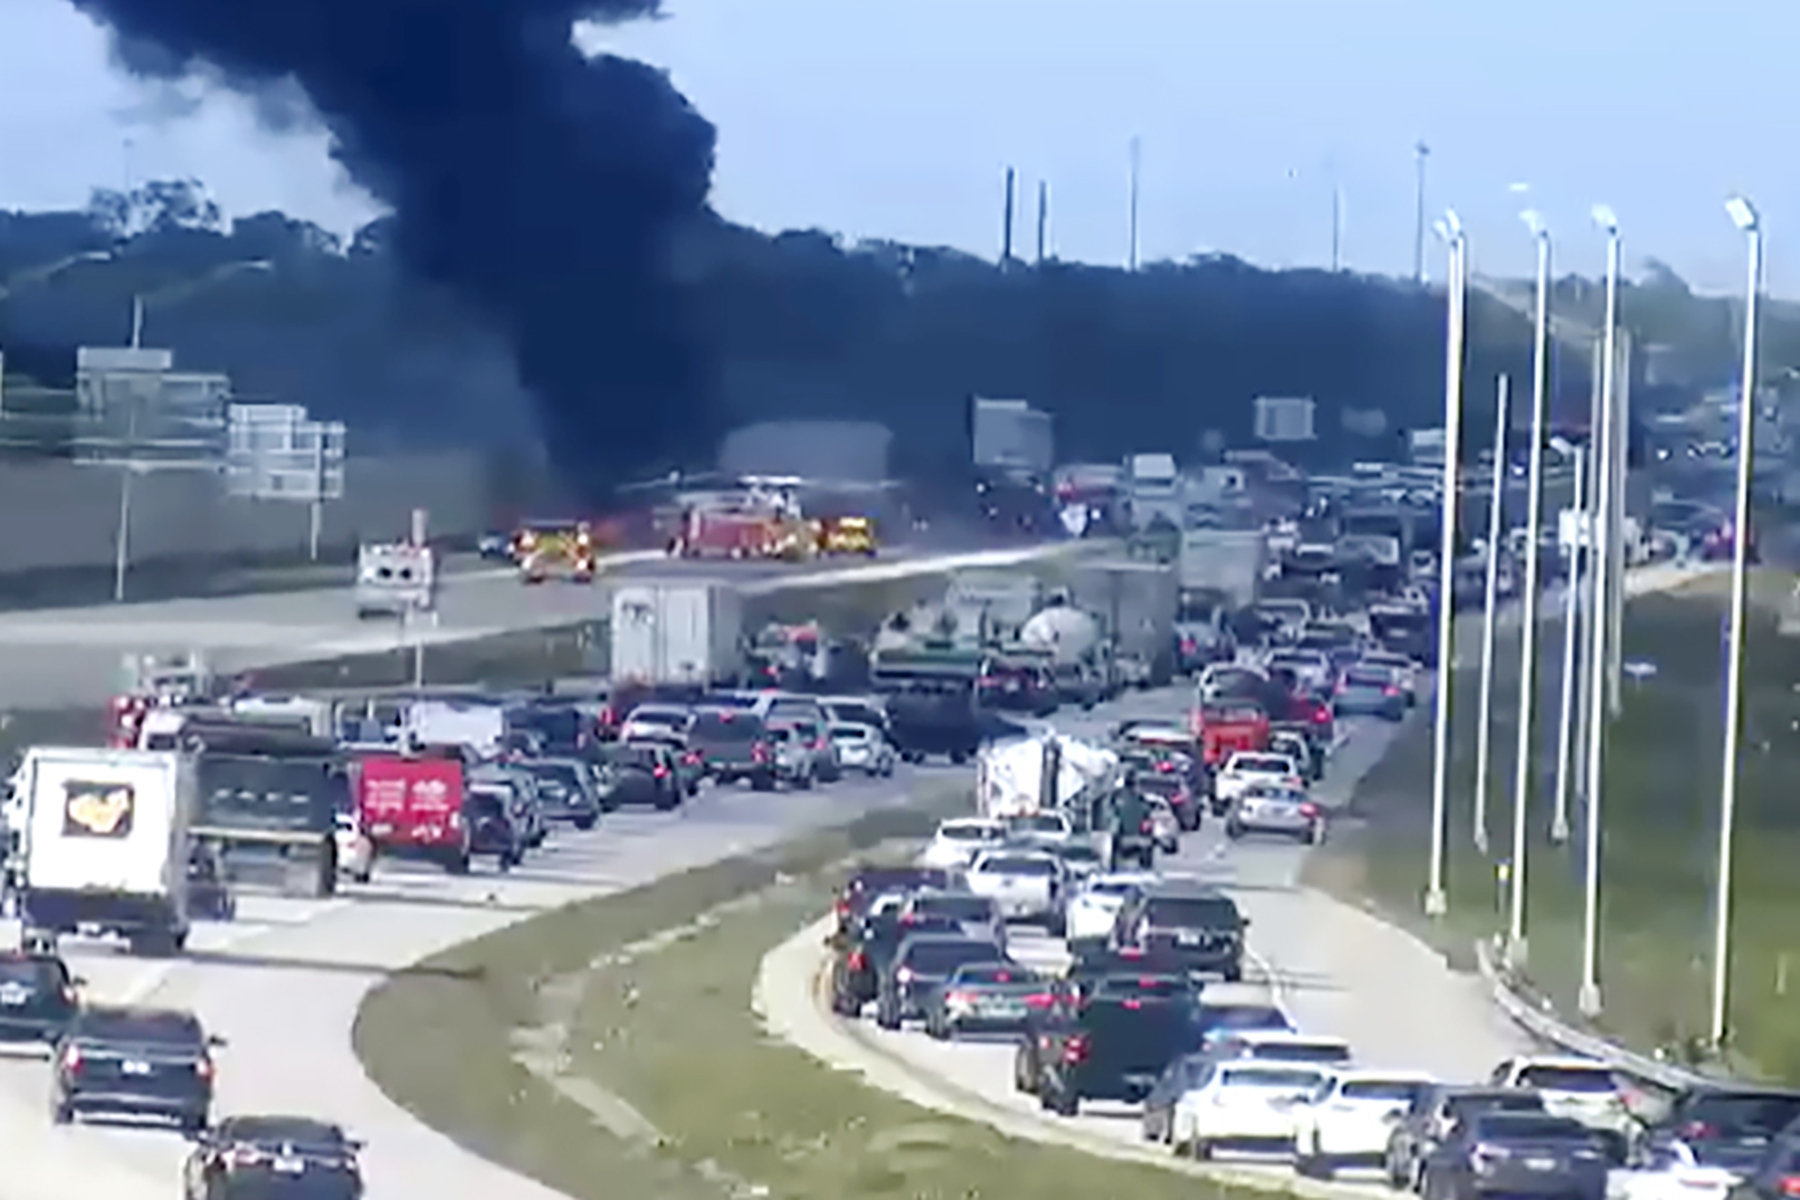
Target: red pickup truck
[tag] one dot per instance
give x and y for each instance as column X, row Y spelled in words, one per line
column 1225, row 729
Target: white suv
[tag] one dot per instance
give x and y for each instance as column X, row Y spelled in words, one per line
column 1248, row 766
column 1242, row 1104
column 959, row 840
column 1089, row 917
column 1350, row 1119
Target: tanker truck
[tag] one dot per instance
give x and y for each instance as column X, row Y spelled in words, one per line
column 1080, row 657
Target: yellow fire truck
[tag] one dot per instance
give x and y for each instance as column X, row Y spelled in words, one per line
column 565, row 549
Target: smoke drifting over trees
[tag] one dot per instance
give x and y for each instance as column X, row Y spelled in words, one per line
column 549, row 191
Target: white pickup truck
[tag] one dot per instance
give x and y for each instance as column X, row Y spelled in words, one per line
column 1024, row 886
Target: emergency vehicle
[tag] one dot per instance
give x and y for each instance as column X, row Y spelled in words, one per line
column 155, row 682
column 567, row 549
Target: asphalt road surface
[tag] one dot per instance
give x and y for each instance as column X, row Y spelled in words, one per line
column 71, row 656
column 282, row 984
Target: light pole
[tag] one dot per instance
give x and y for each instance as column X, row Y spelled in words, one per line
column 1744, row 215
column 1451, row 230
column 1421, row 152
column 185, row 288
column 1604, row 494
column 1568, row 714
column 1534, row 519
column 1490, row 602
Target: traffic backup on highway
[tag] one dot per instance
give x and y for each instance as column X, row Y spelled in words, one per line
column 1069, row 915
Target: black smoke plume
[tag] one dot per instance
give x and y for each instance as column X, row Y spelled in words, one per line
column 547, row 188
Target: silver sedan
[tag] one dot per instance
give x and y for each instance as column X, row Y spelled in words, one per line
column 1285, row 812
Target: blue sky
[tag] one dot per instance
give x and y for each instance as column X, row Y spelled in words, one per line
column 876, row 118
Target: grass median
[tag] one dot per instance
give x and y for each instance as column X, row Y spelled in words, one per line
column 1659, row 846
column 694, row 1099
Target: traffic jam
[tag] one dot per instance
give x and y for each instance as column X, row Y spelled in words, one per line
column 1065, row 921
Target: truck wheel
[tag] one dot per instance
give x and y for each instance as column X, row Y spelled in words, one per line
column 804, row 783
column 61, row 1113
column 1146, row 858
column 585, row 823
column 959, row 757
column 1065, row 1104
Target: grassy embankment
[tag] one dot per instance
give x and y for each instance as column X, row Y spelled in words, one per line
column 1659, row 837
column 695, row 1099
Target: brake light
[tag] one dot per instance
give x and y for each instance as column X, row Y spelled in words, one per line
column 820, row 744
column 204, row 1069
column 1075, row 1050
column 1131, row 952
column 858, row 960
column 843, row 905
column 72, row 1059
column 1390, row 690
column 759, row 752
column 1309, row 809
column 1144, row 827
column 1039, row 1000
column 661, row 772
column 1133, row 1004
column 1165, row 766
column 693, row 758
column 959, row 997
column 242, row 1157
column 1321, row 714
column 1788, row 1185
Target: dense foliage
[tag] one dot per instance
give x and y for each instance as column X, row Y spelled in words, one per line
column 799, row 325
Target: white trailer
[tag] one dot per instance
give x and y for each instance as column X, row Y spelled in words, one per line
column 106, row 844
column 477, row 724
column 676, row 633
column 393, row 578
column 1009, row 776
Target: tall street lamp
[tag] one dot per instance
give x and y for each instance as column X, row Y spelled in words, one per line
column 1534, row 518
column 186, row 288
column 1451, row 230
column 1744, row 215
column 1604, row 495
column 1490, row 602
column 1568, row 714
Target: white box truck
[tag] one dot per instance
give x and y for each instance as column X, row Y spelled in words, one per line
column 106, row 844
column 685, row 634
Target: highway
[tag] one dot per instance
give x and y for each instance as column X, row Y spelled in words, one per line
column 71, row 656
column 282, row 984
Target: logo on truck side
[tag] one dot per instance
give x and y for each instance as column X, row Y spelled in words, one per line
column 93, row 809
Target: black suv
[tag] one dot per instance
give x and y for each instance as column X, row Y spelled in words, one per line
column 1109, row 1046
column 1730, row 1127
column 921, row 963
column 273, row 1158
column 1195, row 930
column 152, row 1061
column 37, row 997
column 863, row 952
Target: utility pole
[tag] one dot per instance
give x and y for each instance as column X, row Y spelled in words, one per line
column 1006, row 224
column 1421, row 152
column 1337, row 227
column 1137, row 153
column 1043, row 224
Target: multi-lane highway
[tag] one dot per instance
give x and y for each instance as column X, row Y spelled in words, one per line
column 283, row 981
column 71, row 656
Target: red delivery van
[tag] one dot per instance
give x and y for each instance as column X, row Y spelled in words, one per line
column 412, row 807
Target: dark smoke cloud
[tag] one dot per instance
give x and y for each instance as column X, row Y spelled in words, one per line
column 549, row 189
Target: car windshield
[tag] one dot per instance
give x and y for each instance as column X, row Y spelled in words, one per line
column 1113, row 888
column 34, row 973
column 1263, row 764
column 726, row 726
column 941, row 958
column 1313, row 1052
column 1372, row 678
column 640, row 755
column 1266, row 1077
column 1076, row 852
column 108, row 1025
column 1742, row 1112
column 1243, row 1016
column 1038, row 823
column 558, row 775
column 673, row 718
column 288, row 1131
column 1458, row 1107
column 1161, row 987
column 968, row 831
column 849, row 733
column 1568, row 1079
column 1209, row 912
column 995, row 973
column 1501, row 1127
column 855, row 713
column 1404, row 1091
column 1017, row 865
column 957, row 908
column 1276, row 794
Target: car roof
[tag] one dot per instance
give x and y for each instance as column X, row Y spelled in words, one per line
column 967, row 822
column 1373, row 1076
column 280, row 1128
column 1572, row 1062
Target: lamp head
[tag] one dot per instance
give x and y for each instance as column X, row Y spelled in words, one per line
column 1534, row 221
column 1742, row 212
column 1606, row 218
column 1453, row 223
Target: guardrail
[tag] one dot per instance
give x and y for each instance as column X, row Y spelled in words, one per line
column 1547, row 1027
